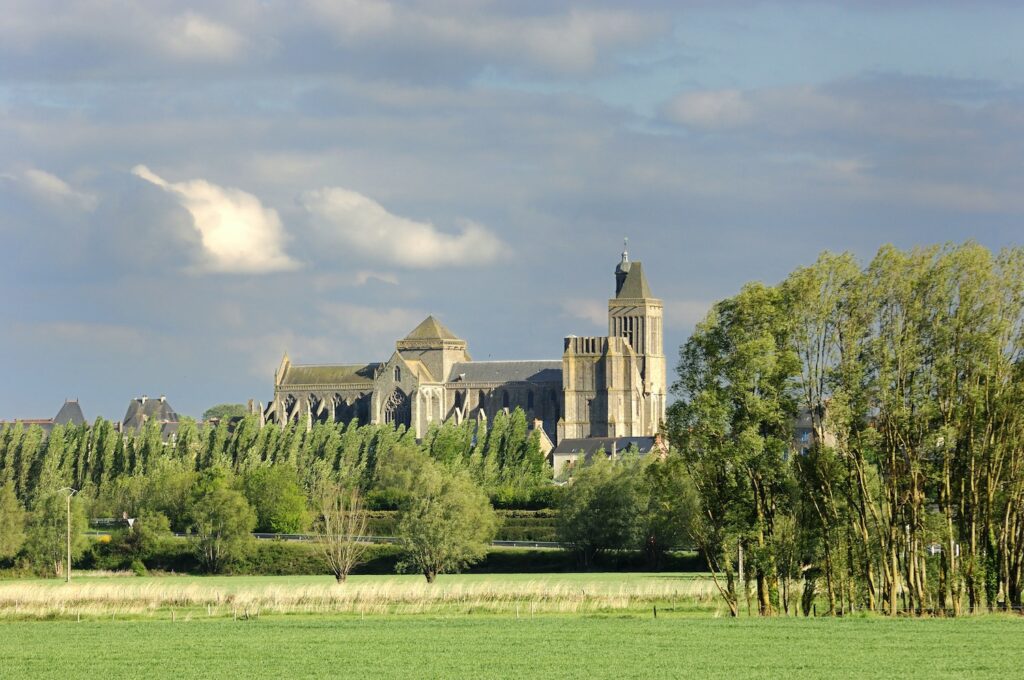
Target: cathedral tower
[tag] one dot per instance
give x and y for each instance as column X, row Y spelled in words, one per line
column 635, row 314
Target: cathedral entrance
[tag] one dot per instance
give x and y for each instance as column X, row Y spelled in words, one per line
column 398, row 409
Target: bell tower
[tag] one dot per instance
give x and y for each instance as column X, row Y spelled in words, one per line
column 636, row 315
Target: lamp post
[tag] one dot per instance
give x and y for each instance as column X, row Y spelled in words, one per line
column 70, row 492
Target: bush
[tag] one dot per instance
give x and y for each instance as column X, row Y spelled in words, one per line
column 220, row 520
column 537, row 498
column 279, row 503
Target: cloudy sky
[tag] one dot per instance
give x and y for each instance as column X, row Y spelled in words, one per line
column 187, row 191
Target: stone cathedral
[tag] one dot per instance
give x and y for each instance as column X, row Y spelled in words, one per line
column 603, row 386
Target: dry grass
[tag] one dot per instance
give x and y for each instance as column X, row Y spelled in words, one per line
column 152, row 598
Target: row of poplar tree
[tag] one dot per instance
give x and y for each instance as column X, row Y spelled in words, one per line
column 111, row 469
column 909, row 492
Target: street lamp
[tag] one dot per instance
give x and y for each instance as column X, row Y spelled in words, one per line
column 70, row 492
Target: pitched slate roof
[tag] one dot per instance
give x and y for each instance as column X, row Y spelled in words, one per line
column 507, row 371
column 142, row 409
column 431, row 329
column 635, row 285
column 591, row 445
column 329, row 374
column 69, row 413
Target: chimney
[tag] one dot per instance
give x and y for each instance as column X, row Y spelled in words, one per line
column 144, row 399
column 162, row 398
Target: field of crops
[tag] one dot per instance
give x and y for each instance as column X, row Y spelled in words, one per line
column 489, row 646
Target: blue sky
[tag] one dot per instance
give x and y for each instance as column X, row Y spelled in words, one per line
column 187, row 191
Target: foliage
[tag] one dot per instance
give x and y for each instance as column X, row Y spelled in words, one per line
column 277, row 498
column 225, row 412
column 907, row 489
column 47, row 533
column 144, row 537
column 602, row 508
column 446, row 521
column 12, row 522
column 220, row 521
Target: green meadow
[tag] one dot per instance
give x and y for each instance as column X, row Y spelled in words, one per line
column 490, row 646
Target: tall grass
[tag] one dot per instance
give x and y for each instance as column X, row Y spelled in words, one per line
column 152, row 598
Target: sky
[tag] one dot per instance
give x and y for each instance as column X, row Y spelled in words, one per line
column 187, row 191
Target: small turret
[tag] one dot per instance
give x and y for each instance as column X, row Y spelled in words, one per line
column 622, row 269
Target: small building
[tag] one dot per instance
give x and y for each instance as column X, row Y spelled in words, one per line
column 69, row 414
column 570, row 451
column 142, row 410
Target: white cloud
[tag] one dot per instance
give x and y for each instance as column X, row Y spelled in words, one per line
column 237, row 233
column 710, row 109
column 368, row 229
column 192, row 36
column 52, row 189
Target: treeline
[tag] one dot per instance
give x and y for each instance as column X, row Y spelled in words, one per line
column 907, row 491
column 219, row 483
column 113, row 470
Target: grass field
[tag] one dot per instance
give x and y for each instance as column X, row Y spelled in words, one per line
column 478, row 647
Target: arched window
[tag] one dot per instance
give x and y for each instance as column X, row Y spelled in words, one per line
column 398, row 374
column 529, row 399
column 398, row 409
column 480, row 399
column 458, row 399
column 504, row 398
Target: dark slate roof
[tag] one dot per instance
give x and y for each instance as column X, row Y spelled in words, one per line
column 507, row 371
column 431, row 329
column 69, row 413
column 635, row 285
column 590, row 446
column 142, row 409
column 329, row 374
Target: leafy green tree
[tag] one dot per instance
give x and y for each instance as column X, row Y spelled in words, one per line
column 279, row 502
column 670, row 507
column 225, row 412
column 733, row 425
column 397, row 473
column 220, row 521
column 601, row 509
column 446, row 523
column 12, row 522
column 167, row 490
column 46, row 535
